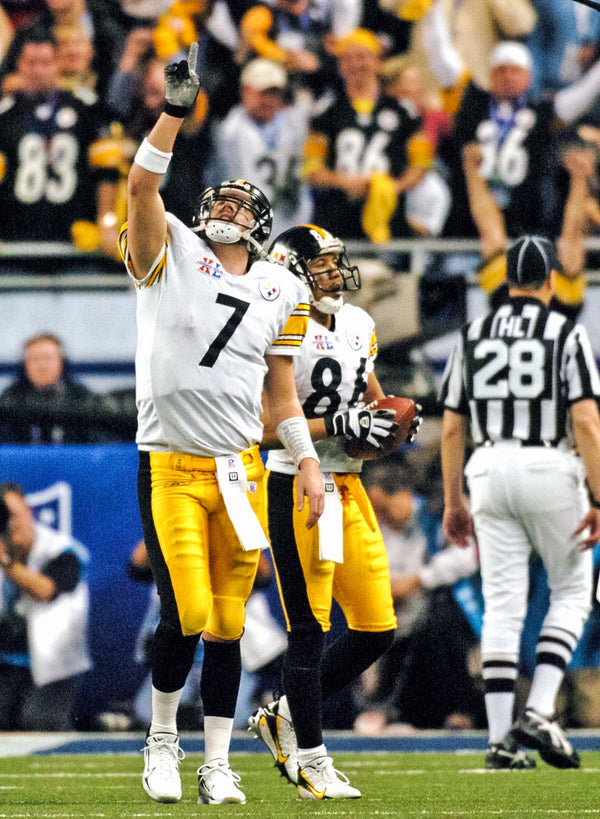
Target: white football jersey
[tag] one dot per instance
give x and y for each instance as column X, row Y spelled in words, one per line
column 331, row 374
column 203, row 335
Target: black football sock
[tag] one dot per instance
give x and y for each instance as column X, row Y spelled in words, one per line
column 351, row 654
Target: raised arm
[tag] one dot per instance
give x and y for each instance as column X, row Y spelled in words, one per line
column 486, row 214
column 147, row 224
column 571, row 249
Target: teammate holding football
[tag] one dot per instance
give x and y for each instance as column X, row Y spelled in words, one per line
column 344, row 557
column 215, row 322
column 523, row 374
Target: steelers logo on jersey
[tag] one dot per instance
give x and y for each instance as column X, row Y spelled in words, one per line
column 269, row 290
column 354, row 340
column 388, row 119
column 43, row 112
column 66, row 117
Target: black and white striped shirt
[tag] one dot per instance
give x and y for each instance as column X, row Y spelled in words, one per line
column 516, row 372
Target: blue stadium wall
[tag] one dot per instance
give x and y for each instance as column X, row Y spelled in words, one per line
column 90, row 491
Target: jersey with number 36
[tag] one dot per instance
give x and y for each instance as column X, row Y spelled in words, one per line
column 203, row 334
column 331, row 374
column 518, row 145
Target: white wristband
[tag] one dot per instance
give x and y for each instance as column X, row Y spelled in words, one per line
column 152, row 159
column 294, row 435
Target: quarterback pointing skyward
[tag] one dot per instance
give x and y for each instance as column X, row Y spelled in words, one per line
column 216, row 324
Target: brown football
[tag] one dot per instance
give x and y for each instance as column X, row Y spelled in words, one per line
column 405, row 412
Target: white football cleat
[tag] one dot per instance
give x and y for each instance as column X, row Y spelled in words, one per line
column 320, row 780
column 217, row 784
column 161, row 779
column 279, row 736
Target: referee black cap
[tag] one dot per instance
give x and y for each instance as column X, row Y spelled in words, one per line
column 530, row 259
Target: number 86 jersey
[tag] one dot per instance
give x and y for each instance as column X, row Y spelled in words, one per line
column 203, row 335
column 331, row 374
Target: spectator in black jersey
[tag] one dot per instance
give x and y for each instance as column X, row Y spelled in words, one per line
column 519, row 135
column 570, row 280
column 43, row 620
column 45, row 405
column 518, row 142
column 524, row 382
column 364, row 151
column 57, row 184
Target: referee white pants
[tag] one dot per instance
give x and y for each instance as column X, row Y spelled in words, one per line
column 526, row 499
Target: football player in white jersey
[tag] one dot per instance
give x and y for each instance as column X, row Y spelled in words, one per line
column 344, row 557
column 217, row 327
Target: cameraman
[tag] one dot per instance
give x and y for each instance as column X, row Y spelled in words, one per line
column 43, row 619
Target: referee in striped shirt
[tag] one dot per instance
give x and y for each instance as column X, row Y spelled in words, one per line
column 523, row 381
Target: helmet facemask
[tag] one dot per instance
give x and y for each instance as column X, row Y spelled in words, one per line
column 245, row 212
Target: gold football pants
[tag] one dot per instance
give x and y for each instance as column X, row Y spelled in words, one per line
column 203, row 575
column 307, row 584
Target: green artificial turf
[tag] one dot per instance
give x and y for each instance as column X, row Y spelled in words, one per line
column 402, row 785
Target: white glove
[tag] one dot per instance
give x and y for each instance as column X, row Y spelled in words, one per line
column 414, row 427
column 182, row 82
column 372, row 426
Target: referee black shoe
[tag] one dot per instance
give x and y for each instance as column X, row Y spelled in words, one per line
column 507, row 756
column 546, row 737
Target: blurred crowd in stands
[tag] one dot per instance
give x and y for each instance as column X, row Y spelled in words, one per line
column 378, row 120
column 368, row 116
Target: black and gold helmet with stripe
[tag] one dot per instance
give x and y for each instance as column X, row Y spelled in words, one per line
column 295, row 247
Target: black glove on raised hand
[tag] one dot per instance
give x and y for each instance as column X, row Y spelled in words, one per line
column 372, row 426
column 414, row 427
column 182, row 84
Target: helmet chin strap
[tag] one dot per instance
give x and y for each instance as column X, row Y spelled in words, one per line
column 328, row 304
column 228, row 233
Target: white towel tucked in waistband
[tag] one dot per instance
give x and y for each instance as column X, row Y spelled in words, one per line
column 231, row 476
column 331, row 526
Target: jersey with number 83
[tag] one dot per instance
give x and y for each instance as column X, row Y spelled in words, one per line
column 203, row 335
column 50, row 164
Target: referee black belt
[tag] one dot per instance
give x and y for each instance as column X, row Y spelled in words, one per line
column 519, row 443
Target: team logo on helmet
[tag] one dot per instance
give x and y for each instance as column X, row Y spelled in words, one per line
column 295, row 247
